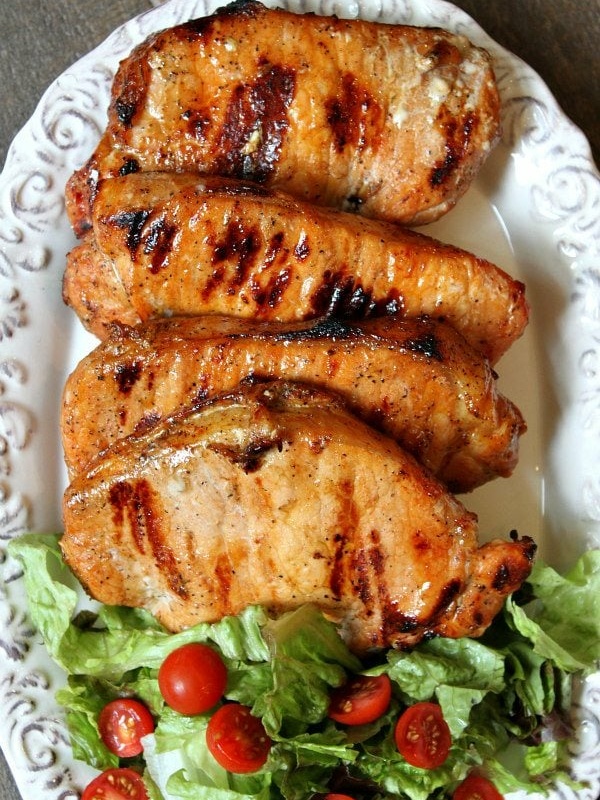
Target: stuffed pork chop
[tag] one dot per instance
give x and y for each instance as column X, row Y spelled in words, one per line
column 167, row 244
column 416, row 379
column 389, row 120
column 276, row 495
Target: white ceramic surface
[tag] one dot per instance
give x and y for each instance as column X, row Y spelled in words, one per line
column 535, row 210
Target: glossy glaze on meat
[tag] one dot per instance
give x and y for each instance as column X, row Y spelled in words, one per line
column 176, row 244
column 276, row 495
column 391, row 121
column 417, row 380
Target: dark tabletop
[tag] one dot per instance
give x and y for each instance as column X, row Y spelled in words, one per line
column 40, row 38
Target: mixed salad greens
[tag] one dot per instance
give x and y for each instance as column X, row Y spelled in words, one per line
column 505, row 697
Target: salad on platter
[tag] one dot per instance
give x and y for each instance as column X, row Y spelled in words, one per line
column 485, row 716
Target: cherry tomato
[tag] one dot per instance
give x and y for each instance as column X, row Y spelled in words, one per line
column 236, row 739
column 476, row 787
column 362, row 699
column 116, row 784
column 192, row 678
column 122, row 723
column 334, row 796
column 423, row 736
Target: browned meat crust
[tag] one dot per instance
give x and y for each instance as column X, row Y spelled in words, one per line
column 388, row 120
column 175, row 244
column 417, row 380
column 276, row 495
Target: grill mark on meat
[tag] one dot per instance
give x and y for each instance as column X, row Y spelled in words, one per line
column 134, row 503
column 354, row 116
column 427, row 344
column 129, row 167
column 502, row 577
column 127, row 375
column 369, row 567
column 392, row 303
column 256, row 123
column 457, row 141
column 272, row 294
column 224, row 574
column 158, row 243
column 326, row 328
column 133, row 91
column 348, row 562
column 197, row 123
column 132, row 222
column 274, row 248
column 376, row 553
column 336, row 578
column 125, row 111
column 339, row 294
column 236, row 188
column 449, row 592
column 394, row 621
column 119, row 497
column 361, row 579
column 251, row 457
column 239, row 243
column 420, row 542
column 506, row 573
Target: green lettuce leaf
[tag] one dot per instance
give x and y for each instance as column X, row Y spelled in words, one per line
column 563, row 621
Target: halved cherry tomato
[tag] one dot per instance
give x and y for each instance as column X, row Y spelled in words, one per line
column 192, row 678
column 364, row 698
column 122, row 723
column 116, row 784
column 423, row 736
column 476, row 787
column 237, row 739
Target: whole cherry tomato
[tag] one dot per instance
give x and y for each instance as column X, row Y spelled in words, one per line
column 476, row 787
column 116, row 784
column 122, row 724
column 334, row 796
column 237, row 739
column 192, row 678
column 423, row 736
column 364, row 698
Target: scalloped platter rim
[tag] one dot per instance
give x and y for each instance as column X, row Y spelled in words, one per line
column 534, row 209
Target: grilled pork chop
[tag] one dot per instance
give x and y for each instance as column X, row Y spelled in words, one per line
column 417, row 380
column 275, row 494
column 387, row 120
column 178, row 244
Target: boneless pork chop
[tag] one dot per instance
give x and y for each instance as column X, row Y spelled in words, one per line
column 388, row 120
column 166, row 244
column 276, row 495
column 416, row 379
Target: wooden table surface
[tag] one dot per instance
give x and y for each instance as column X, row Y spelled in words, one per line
column 39, row 39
